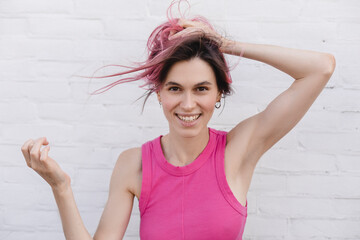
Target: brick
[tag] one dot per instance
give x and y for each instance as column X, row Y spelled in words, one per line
column 43, row 49
column 308, row 207
column 37, row 6
column 350, row 121
column 14, row 197
column 348, row 10
column 320, row 9
column 295, row 161
column 111, row 135
column 92, row 180
column 260, row 9
column 115, row 27
column 83, row 155
column 13, row 26
column 320, row 120
column 213, row 9
column 348, row 163
column 70, row 112
column 11, row 155
column 19, row 69
column 90, row 200
column 305, row 187
column 16, row 112
column 37, row 91
column 108, row 50
column 94, row 8
column 61, row 70
column 349, row 30
column 330, row 100
column 348, row 77
column 59, row 27
column 292, row 31
column 324, row 186
column 347, row 55
column 19, row 133
column 22, row 175
column 268, row 184
column 46, row 220
column 270, row 227
column 309, row 228
column 4, row 234
column 332, row 142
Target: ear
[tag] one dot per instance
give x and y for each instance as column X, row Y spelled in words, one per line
column 218, row 98
column 158, row 95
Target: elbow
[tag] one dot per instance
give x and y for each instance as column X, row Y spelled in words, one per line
column 329, row 65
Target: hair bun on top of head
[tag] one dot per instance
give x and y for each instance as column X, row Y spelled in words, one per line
column 161, row 51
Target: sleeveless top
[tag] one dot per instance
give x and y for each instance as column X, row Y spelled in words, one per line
column 191, row 202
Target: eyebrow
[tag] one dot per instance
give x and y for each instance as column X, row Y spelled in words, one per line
column 198, row 84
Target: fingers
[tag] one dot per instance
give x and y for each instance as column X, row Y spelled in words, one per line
column 44, row 153
column 188, row 32
column 189, row 23
column 31, row 150
column 192, row 28
column 35, row 150
column 25, row 149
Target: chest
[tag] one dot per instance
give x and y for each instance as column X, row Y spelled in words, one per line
column 236, row 183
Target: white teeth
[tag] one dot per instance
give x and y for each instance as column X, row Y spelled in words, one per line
column 189, row 119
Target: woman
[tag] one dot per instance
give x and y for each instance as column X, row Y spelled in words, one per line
column 192, row 182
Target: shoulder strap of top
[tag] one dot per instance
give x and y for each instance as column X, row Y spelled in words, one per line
column 221, row 176
column 146, row 150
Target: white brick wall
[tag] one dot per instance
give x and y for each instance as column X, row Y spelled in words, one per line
column 306, row 187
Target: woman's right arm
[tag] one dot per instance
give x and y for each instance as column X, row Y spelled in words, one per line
column 117, row 212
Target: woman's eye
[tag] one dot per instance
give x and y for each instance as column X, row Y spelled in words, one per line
column 202, row 89
column 173, row 89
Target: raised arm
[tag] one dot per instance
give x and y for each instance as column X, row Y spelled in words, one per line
column 117, row 212
column 310, row 70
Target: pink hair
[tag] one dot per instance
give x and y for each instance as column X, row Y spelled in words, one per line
column 159, row 48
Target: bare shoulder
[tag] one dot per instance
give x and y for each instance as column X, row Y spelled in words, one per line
column 129, row 156
column 129, row 164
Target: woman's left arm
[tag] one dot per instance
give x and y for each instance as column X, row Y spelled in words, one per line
column 311, row 71
column 252, row 137
column 297, row 63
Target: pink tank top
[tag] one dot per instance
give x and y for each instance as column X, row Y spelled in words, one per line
column 191, row 202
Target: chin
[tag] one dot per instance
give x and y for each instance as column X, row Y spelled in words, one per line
column 190, row 132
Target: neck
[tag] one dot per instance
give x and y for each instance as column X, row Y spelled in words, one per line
column 181, row 151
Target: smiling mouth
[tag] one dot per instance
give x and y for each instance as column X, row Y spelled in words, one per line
column 188, row 118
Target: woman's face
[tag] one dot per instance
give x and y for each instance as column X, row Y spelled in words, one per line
column 188, row 96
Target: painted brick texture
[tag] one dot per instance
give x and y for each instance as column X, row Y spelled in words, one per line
column 306, row 187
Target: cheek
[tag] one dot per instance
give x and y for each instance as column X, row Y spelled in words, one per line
column 209, row 104
column 168, row 104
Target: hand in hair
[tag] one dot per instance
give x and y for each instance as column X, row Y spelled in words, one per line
column 198, row 28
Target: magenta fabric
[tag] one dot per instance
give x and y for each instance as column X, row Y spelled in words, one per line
column 191, row 202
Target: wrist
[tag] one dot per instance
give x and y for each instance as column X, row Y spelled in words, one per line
column 61, row 188
column 227, row 45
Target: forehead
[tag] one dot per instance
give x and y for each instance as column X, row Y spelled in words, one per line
column 191, row 72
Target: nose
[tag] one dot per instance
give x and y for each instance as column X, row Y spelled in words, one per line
column 188, row 102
